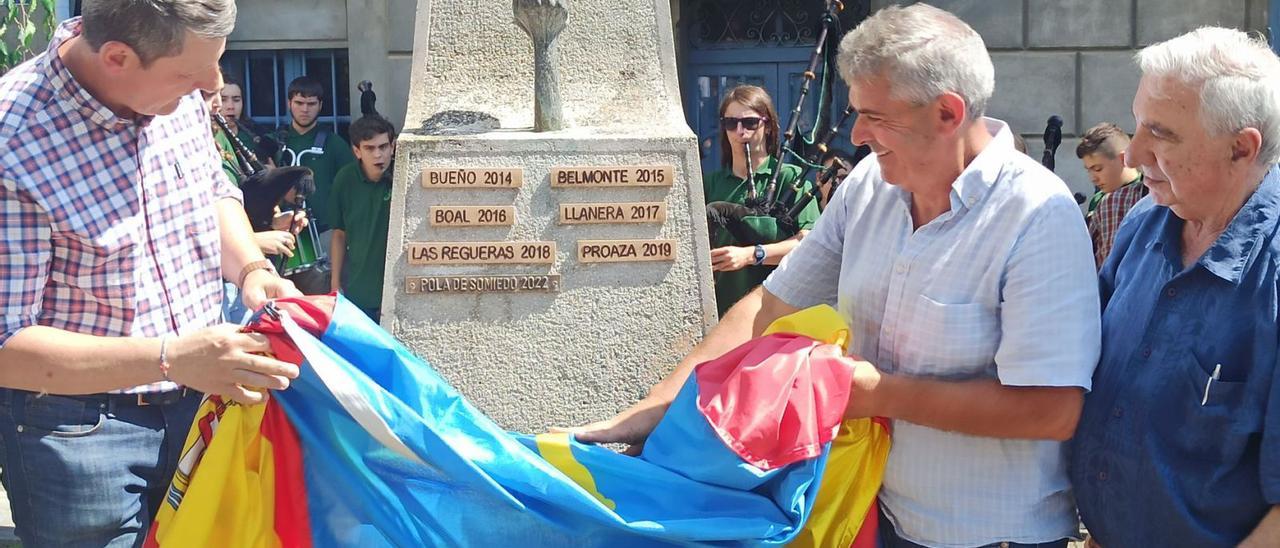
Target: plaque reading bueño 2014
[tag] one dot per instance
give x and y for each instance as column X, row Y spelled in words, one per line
column 481, row 284
column 462, row 253
column 472, row 177
column 622, row 251
column 598, row 213
column 612, row 176
column 472, row 215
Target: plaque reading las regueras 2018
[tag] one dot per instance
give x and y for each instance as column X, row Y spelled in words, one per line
column 463, row 253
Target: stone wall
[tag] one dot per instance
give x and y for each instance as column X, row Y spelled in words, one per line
column 1074, row 58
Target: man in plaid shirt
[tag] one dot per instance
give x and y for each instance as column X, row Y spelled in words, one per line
column 118, row 228
column 1119, row 186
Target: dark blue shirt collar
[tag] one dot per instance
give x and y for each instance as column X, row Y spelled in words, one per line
column 1235, row 249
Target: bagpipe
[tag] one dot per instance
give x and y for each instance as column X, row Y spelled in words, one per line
column 772, row 217
column 1052, row 139
column 268, row 190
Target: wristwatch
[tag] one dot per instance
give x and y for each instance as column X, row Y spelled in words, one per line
column 759, row 255
column 261, row 264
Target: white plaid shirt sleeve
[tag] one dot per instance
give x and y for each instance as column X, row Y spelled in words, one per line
column 1049, row 341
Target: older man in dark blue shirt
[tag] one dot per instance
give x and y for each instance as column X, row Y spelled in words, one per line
column 1179, row 442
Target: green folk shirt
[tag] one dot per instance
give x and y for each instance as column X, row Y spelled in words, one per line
column 362, row 209
column 230, row 163
column 325, row 166
column 724, row 186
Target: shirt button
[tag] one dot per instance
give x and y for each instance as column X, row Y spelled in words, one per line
column 1004, row 545
column 1146, row 352
column 1102, row 476
column 1171, row 292
column 901, row 268
column 1118, row 412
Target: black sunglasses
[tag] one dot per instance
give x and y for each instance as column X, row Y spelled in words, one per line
column 729, row 123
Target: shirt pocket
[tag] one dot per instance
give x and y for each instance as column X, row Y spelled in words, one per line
column 1213, row 424
column 100, row 269
column 951, row 339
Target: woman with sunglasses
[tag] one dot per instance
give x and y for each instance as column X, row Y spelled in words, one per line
column 750, row 130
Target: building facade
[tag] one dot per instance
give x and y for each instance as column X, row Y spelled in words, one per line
column 1071, row 58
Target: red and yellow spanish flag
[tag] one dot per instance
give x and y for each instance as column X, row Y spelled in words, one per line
column 371, row 447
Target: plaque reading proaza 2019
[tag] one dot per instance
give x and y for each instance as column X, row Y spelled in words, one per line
column 473, row 215
column 623, row 251
column 459, row 253
column 612, row 176
column 481, row 284
column 637, row 212
column 472, row 177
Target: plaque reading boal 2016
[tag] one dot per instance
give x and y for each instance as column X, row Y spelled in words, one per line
column 482, row 284
column 472, row 177
column 463, row 253
column 612, row 176
column 599, row 213
column 472, row 215
column 624, row 251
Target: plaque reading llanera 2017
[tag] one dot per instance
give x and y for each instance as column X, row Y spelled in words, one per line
column 472, row 215
column 472, row 177
column 632, row 212
column 461, row 253
column 623, row 251
column 481, row 284
column 612, row 176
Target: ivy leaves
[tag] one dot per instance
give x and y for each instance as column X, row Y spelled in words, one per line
column 20, row 22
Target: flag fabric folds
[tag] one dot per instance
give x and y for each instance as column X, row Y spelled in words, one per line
column 371, row 447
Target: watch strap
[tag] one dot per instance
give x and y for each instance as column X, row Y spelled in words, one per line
column 260, row 264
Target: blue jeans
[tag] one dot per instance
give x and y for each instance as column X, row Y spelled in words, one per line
column 233, row 309
column 889, row 539
column 85, row 470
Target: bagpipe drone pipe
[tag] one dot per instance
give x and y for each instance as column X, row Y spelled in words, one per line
column 772, row 216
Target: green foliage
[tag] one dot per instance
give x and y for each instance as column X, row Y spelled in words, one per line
column 20, row 22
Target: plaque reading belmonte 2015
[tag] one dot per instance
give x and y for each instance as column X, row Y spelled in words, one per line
column 606, row 176
column 551, row 276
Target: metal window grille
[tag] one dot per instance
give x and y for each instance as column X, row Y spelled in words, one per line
column 266, row 75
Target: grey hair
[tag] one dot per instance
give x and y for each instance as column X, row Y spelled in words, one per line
column 1238, row 77
column 155, row 28
column 923, row 52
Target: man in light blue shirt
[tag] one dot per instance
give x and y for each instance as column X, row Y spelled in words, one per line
column 966, row 272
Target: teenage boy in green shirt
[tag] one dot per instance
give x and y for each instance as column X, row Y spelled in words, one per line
column 360, row 210
column 306, row 100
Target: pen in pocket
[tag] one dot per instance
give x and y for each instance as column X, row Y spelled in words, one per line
column 1217, row 370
